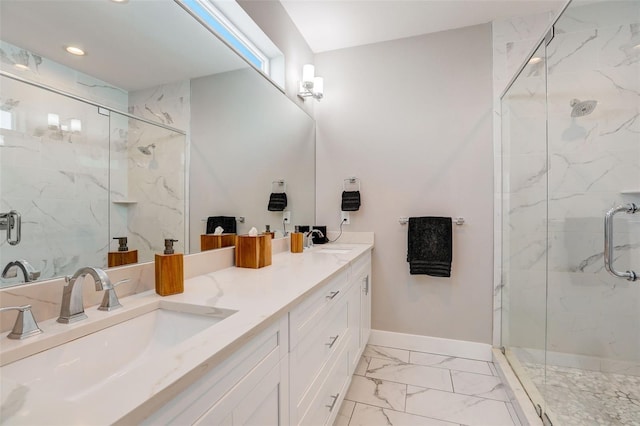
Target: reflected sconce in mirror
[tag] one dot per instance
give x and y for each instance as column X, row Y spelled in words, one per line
column 311, row 86
column 74, row 125
column 53, row 120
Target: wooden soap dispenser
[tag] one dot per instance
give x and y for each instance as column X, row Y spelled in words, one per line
column 123, row 256
column 297, row 241
column 169, row 270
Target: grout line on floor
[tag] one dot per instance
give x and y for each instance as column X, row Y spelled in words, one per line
column 404, row 412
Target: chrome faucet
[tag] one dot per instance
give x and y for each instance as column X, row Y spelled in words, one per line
column 28, row 271
column 308, row 236
column 72, row 308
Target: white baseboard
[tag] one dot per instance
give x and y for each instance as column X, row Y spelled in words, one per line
column 435, row 345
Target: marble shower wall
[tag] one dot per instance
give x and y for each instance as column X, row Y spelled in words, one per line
column 556, row 196
column 60, row 181
column 157, row 181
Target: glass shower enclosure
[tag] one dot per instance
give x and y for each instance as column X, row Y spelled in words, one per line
column 79, row 174
column 570, row 155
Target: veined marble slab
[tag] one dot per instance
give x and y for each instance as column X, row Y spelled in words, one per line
column 261, row 297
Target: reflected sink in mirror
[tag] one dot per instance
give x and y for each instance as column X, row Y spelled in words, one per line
column 82, row 366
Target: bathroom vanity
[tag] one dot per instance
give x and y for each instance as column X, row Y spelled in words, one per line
column 276, row 345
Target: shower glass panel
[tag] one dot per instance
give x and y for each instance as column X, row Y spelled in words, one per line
column 80, row 175
column 571, row 153
column 54, row 170
column 593, row 331
column 524, row 218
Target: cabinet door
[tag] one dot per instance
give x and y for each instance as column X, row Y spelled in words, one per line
column 355, row 327
column 365, row 309
column 251, row 403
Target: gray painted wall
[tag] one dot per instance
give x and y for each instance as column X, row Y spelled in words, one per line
column 412, row 119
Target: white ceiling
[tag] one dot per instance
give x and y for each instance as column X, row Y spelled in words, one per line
column 133, row 45
column 336, row 24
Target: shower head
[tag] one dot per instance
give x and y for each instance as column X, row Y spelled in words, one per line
column 582, row 108
column 146, row 150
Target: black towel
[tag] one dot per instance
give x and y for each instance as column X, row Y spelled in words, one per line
column 350, row 201
column 228, row 223
column 430, row 246
column 277, row 202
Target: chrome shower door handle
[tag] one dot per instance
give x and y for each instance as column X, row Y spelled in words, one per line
column 608, row 240
column 12, row 220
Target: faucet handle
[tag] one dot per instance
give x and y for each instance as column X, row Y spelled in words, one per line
column 25, row 325
column 110, row 299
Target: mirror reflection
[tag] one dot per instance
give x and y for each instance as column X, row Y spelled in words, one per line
column 154, row 127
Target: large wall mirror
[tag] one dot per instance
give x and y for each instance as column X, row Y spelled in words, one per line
column 159, row 126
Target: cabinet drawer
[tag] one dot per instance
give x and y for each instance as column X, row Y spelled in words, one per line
column 304, row 317
column 328, row 398
column 314, row 349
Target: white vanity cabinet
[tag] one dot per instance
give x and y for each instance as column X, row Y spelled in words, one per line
column 250, row 387
column 326, row 342
column 319, row 333
column 361, row 276
column 295, row 372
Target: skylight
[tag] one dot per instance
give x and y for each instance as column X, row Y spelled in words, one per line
column 226, row 30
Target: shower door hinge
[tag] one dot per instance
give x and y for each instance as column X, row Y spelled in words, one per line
column 503, row 350
column 104, row 111
column 549, row 36
column 545, row 420
column 539, row 410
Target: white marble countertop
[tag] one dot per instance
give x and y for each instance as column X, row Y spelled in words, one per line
column 260, row 297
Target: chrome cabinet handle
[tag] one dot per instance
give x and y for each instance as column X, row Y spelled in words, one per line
column 333, row 404
column 332, row 294
column 333, row 341
column 366, row 285
column 608, row 240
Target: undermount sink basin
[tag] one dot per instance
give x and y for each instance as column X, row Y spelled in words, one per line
column 334, row 250
column 81, row 366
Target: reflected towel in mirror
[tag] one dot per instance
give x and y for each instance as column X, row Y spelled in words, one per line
column 227, row 223
column 277, row 202
column 350, row 201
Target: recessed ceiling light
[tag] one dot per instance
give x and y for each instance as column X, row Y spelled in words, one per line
column 120, row 1
column 535, row 60
column 21, row 67
column 75, row 50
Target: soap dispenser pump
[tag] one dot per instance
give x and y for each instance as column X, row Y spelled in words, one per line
column 169, row 270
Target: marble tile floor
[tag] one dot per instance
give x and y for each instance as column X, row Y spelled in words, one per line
column 578, row 397
column 406, row 388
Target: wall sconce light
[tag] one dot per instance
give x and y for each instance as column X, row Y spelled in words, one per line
column 311, row 86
